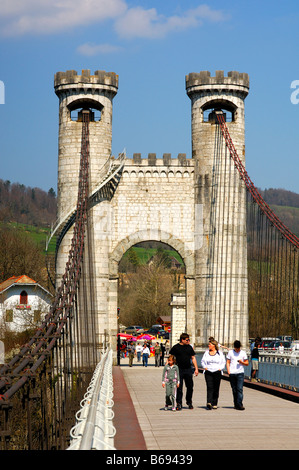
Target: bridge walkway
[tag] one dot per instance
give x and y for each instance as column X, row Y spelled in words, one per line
column 269, row 422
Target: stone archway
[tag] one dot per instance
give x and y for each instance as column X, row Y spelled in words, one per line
column 150, row 235
column 159, row 236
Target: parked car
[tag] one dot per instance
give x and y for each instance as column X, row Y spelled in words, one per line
column 275, row 345
column 285, row 338
column 265, row 344
column 134, row 330
column 152, row 331
column 164, row 334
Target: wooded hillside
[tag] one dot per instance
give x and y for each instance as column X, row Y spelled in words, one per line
column 33, row 206
column 285, row 204
column 26, row 205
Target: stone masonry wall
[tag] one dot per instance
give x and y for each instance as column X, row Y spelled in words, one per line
column 154, row 201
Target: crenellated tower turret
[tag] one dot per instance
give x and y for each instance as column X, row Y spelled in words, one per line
column 77, row 92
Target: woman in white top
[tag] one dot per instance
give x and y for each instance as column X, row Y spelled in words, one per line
column 213, row 362
column 236, row 359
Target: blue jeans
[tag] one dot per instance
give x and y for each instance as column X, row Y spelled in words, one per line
column 145, row 359
column 236, row 382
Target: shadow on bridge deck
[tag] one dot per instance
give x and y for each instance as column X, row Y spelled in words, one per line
column 269, row 422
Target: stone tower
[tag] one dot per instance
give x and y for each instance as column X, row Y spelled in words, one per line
column 77, row 92
column 221, row 262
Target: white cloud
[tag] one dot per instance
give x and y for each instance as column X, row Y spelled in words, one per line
column 137, row 22
column 20, row 17
column 89, row 49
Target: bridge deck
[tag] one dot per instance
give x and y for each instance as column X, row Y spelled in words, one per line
column 268, row 422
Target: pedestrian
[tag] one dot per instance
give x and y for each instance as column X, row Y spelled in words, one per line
column 255, row 359
column 145, row 355
column 185, row 355
column 132, row 352
column 259, row 339
column 123, row 349
column 138, row 351
column 167, row 347
column 162, row 354
column 213, row 362
column 281, row 348
column 170, row 381
column 236, row 359
column 157, row 354
column 211, row 338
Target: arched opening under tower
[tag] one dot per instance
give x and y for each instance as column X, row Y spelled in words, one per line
column 228, row 109
column 149, row 273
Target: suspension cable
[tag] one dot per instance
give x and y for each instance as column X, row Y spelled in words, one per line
column 250, row 186
column 45, row 338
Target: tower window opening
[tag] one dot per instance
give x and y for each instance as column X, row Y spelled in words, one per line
column 209, row 115
column 76, row 114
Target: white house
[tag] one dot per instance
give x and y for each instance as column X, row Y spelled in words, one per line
column 23, row 303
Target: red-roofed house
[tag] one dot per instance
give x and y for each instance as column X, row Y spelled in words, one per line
column 23, row 303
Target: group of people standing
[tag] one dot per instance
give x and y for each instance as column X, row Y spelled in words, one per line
column 143, row 352
column 182, row 365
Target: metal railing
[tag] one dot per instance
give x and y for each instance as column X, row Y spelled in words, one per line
column 106, row 173
column 94, row 429
column 281, row 370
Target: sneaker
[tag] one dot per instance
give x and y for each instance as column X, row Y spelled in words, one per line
column 241, row 408
column 179, row 407
column 214, row 407
column 166, row 408
column 173, row 409
column 209, row 406
column 190, row 406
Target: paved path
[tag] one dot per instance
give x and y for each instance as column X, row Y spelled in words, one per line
column 268, row 422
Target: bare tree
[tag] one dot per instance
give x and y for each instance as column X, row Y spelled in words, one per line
column 145, row 294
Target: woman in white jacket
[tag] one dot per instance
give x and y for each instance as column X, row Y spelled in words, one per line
column 213, row 362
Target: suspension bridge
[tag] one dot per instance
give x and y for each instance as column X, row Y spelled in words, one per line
column 43, row 385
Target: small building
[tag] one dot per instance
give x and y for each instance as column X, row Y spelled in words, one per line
column 165, row 322
column 23, row 303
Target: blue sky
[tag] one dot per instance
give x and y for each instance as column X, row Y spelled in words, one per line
column 152, row 46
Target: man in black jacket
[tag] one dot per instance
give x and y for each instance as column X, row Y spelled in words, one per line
column 186, row 361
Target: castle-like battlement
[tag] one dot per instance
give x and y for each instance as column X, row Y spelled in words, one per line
column 201, row 81
column 165, row 160
column 100, row 77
